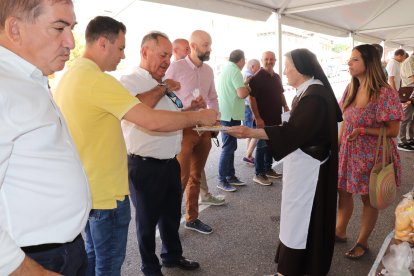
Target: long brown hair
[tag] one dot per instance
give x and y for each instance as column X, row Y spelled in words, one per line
column 375, row 76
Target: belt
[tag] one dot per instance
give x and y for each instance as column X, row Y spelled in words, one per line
column 319, row 152
column 133, row 156
column 46, row 246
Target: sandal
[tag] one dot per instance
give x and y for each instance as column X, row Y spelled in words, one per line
column 351, row 253
column 340, row 240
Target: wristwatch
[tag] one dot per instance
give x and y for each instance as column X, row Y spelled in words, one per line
column 163, row 84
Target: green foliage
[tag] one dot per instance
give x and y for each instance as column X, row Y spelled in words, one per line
column 78, row 50
column 339, row 48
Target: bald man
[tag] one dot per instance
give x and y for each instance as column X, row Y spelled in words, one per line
column 266, row 100
column 181, row 48
column 197, row 91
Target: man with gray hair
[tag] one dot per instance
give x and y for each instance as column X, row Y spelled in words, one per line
column 252, row 67
column 44, row 193
column 153, row 169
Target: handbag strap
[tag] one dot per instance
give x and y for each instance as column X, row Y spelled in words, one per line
column 386, row 154
column 378, row 145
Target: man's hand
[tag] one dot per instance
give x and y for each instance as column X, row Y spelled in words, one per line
column 208, row 117
column 405, row 105
column 172, row 85
column 31, row 268
column 197, row 103
column 260, row 123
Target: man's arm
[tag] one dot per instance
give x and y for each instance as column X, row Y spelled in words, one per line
column 30, row 268
column 411, row 78
column 391, row 81
column 255, row 110
column 167, row 121
column 153, row 96
column 242, row 92
column 284, row 103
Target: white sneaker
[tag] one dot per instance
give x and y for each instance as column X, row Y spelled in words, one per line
column 213, row 200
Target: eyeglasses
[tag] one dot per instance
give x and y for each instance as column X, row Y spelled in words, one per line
column 174, row 99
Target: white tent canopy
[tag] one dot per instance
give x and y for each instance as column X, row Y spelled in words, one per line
column 370, row 21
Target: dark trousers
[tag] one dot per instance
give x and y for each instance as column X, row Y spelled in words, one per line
column 69, row 259
column 155, row 188
column 263, row 159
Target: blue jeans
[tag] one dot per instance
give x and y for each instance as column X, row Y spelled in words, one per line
column 226, row 163
column 106, row 239
column 69, row 259
column 248, row 117
column 263, row 158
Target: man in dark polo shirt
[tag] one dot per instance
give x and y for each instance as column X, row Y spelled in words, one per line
column 267, row 101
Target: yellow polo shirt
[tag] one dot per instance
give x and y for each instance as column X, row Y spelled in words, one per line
column 93, row 103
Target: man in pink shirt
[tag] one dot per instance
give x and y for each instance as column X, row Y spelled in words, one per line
column 197, row 91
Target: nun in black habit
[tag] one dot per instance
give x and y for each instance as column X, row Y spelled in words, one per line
column 308, row 145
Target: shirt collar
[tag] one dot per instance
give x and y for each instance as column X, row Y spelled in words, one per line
column 191, row 64
column 302, row 88
column 23, row 65
column 146, row 75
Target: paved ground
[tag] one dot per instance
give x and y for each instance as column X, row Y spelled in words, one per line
column 246, row 229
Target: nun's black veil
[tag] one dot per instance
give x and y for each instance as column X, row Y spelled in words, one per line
column 307, row 64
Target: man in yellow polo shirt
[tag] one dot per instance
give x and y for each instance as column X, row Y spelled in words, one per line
column 93, row 104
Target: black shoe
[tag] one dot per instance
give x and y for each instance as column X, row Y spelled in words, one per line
column 405, row 147
column 183, row 263
column 199, row 226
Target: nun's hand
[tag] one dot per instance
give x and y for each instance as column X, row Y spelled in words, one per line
column 238, row 131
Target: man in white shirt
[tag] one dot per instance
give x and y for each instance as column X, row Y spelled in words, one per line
column 393, row 69
column 153, row 169
column 406, row 134
column 44, row 194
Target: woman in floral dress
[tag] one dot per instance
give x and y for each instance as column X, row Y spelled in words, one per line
column 367, row 104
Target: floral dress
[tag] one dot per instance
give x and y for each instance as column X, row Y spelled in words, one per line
column 357, row 157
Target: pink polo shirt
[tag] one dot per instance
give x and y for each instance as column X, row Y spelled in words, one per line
column 192, row 77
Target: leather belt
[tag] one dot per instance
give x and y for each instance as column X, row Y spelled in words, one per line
column 151, row 158
column 320, row 152
column 46, row 246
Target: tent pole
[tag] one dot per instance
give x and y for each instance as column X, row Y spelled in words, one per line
column 278, row 32
column 352, row 40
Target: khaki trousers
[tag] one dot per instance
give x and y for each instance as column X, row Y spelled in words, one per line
column 192, row 159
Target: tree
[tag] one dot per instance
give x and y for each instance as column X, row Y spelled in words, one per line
column 339, row 48
column 78, row 50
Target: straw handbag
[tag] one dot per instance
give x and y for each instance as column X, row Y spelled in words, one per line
column 382, row 186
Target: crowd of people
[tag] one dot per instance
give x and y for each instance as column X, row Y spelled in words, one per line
column 71, row 161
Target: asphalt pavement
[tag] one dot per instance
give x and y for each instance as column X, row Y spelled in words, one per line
column 245, row 229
